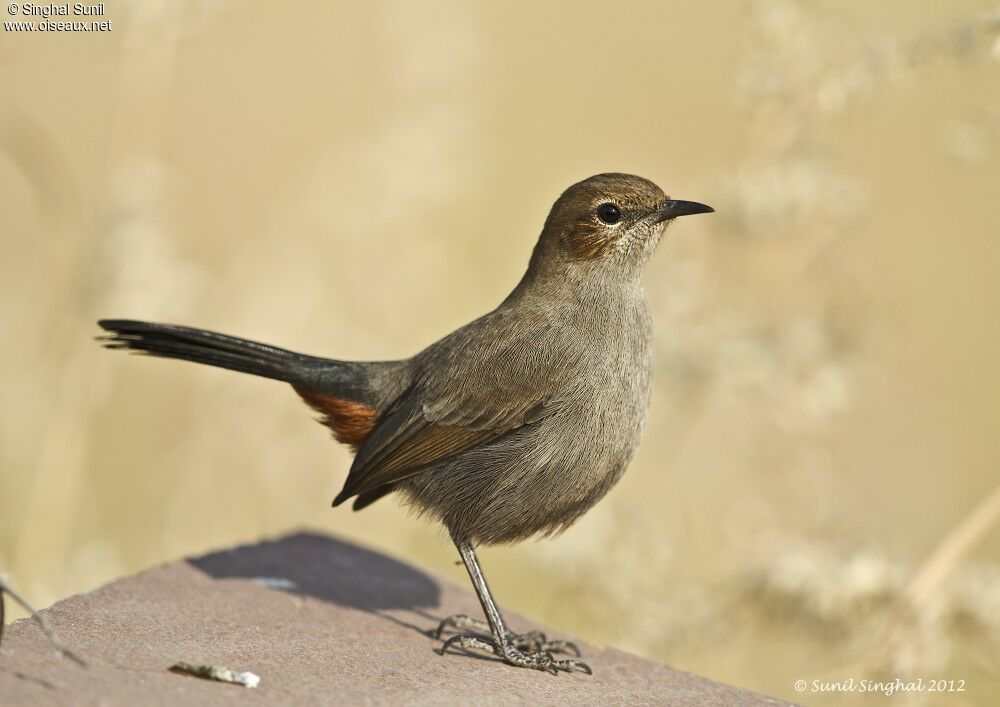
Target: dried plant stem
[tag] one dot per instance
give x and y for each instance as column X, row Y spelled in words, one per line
column 950, row 551
column 948, row 554
column 43, row 622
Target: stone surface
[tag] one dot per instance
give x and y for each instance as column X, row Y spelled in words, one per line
column 334, row 624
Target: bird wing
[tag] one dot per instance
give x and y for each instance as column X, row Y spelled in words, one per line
column 473, row 389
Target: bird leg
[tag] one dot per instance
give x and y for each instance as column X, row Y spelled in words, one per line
column 528, row 650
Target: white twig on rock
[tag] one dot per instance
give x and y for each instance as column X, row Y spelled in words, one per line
column 215, row 672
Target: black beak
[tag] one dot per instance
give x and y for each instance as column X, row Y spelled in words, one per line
column 673, row 208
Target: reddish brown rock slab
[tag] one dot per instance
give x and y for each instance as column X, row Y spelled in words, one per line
column 334, row 624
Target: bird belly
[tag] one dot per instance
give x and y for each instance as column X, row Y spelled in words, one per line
column 536, row 480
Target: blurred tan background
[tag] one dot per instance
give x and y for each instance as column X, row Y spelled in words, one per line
column 817, row 494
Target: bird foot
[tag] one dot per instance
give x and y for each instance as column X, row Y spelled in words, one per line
column 540, row 660
column 531, row 642
column 527, row 650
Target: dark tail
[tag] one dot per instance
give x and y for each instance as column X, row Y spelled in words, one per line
column 209, row 347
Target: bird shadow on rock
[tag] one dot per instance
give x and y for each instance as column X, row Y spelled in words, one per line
column 322, row 567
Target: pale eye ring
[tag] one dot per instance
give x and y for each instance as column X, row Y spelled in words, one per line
column 609, row 213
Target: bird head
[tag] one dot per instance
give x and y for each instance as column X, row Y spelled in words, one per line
column 609, row 222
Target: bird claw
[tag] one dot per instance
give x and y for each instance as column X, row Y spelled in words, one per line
column 530, row 642
column 537, row 642
column 512, row 654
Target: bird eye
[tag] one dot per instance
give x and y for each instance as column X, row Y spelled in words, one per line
column 609, row 213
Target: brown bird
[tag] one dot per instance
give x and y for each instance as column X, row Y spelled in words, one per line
column 513, row 425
